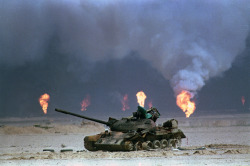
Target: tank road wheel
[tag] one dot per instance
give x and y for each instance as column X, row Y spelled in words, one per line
column 128, row 145
column 172, row 143
column 175, row 143
column 178, row 142
column 138, row 146
column 156, row 144
column 164, row 143
column 147, row 145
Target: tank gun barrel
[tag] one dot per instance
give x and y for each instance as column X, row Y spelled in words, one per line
column 80, row 116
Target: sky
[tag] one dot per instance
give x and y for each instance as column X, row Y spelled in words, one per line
column 107, row 49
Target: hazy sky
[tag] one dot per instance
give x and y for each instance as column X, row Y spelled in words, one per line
column 106, row 49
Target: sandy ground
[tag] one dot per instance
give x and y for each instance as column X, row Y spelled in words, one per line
column 214, row 140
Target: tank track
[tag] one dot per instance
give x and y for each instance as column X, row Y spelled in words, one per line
column 136, row 146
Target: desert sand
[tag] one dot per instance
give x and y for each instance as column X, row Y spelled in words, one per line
column 211, row 140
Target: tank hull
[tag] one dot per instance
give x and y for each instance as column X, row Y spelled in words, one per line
column 154, row 138
column 137, row 132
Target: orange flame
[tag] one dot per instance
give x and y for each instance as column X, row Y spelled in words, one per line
column 150, row 104
column 183, row 101
column 141, row 97
column 124, row 101
column 243, row 100
column 85, row 103
column 43, row 100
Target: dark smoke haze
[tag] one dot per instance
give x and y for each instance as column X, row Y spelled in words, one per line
column 106, row 49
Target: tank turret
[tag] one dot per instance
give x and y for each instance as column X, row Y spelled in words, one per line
column 139, row 121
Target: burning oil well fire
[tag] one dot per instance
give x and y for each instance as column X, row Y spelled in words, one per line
column 243, row 100
column 186, row 53
column 43, row 100
column 183, row 101
column 141, row 97
column 124, row 101
column 85, row 103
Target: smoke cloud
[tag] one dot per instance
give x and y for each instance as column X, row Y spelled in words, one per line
column 187, row 41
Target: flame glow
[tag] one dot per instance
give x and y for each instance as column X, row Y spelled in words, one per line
column 85, row 103
column 243, row 100
column 43, row 100
column 124, row 101
column 183, row 101
column 150, row 104
column 141, row 97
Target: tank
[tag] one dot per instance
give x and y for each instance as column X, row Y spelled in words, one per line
column 137, row 132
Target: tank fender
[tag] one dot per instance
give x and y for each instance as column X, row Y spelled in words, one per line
column 149, row 130
column 92, row 138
